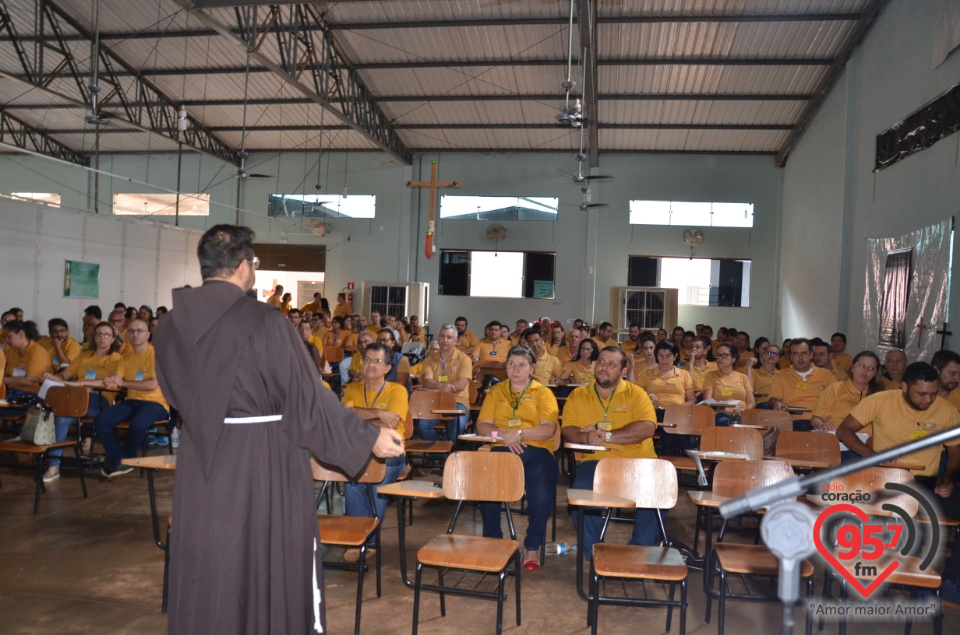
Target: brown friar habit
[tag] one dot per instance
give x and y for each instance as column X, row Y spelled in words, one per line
column 243, row 547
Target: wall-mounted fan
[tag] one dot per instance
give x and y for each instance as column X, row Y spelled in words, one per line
column 496, row 232
column 692, row 238
column 319, row 228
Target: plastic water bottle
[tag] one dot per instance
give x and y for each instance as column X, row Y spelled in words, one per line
column 559, row 549
column 175, row 437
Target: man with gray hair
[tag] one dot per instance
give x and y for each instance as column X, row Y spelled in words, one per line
column 450, row 371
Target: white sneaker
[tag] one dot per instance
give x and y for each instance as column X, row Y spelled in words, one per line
column 52, row 474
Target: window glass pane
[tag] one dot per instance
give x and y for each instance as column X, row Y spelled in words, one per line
column 687, row 213
column 496, row 274
column 690, row 277
column 498, row 208
column 128, row 204
column 323, row 205
column 48, row 198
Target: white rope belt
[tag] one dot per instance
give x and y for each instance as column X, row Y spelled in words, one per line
column 260, row 419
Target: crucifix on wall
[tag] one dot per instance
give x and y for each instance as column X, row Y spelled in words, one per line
column 430, row 247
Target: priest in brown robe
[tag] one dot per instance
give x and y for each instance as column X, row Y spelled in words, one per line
column 244, row 552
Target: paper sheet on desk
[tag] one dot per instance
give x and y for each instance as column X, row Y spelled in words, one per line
column 47, row 385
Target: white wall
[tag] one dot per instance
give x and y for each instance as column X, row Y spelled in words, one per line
column 140, row 262
column 889, row 78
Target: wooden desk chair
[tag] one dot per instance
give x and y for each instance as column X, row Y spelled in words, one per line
column 775, row 422
column 746, row 441
column 422, row 405
column 495, row 477
column 652, row 484
column 806, row 446
column 731, row 479
column 352, row 531
column 65, row 401
column 688, row 420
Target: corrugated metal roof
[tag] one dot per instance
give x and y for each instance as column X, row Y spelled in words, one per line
column 681, row 75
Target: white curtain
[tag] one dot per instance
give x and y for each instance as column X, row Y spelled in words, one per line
column 892, row 312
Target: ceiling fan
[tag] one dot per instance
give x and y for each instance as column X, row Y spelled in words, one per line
column 588, row 203
column 571, row 114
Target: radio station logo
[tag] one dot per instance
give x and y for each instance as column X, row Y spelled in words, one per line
column 866, row 549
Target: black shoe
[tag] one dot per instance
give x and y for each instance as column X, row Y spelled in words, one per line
column 114, row 472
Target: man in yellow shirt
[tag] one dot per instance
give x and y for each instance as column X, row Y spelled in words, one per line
column 143, row 407
column 841, row 359
column 61, row 348
column 800, row 385
column 521, row 326
column 374, row 324
column 450, row 371
column 491, row 352
column 313, row 307
column 605, row 336
column 467, row 341
column 568, row 352
column 947, row 364
column 632, row 345
column 823, row 358
column 343, row 308
column 915, row 412
column 618, row 415
column 548, row 368
column 277, row 298
column 894, row 363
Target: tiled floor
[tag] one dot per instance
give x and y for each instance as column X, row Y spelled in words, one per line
column 90, row 566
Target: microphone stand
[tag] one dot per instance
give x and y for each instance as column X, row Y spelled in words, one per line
column 787, row 527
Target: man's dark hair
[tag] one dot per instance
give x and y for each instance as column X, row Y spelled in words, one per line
column 942, row 359
column 732, row 332
column 222, row 248
column 635, row 324
column 820, row 344
column 120, row 305
column 94, row 311
column 461, row 318
column 920, row 371
column 841, row 336
column 604, row 325
column 816, row 341
column 292, row 311
column 338, row 320
column 797, row 341
column 390, row 332
column 377, row 346
column 56, row 322
column 530, row 331
column 492, row 323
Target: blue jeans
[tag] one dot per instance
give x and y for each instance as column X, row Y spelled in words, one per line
column 646, row 529
column 62, row 424
column 455, row 426
column 140, row 414
column 357, row 503
column 540, row 475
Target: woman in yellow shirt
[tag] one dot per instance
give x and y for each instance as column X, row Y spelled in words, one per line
column 726, row 384
column 837, row 400
column 98, row 361
column 556, row 340
column 524, row 415
column 580, row 369
column 667, row 385
column 701, row 365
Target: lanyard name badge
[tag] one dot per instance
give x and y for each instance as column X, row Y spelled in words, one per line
column 605, row 424
column 138, row 376
column 375, row 399
column 90, row 374
column 443, row 372
column 515, row 421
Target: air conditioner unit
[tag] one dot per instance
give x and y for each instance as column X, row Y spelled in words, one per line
column 651, row 307
column 397, row 299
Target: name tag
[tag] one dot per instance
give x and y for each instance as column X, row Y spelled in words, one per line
column 672, row 380
column 606, row 426
column 138, row 376
column 514, row 422
column 19, row 372
column 90, row 374
column 918, row 434
column 802, row 385
column 726, row 392
column 493, row 353
column 442, row 379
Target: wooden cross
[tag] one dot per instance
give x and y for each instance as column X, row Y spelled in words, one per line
column 429, row 247
column 920, row 328
column 944, row 333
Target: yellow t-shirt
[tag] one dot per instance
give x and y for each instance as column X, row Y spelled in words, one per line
column 534, row 404
column 610, row 342
column 843, row 361
column 71, row 348
column 460, row 365
column 489, row 352
column 564, row 355
column 794, row 390
column 274, row 300
column 33, row 363
column 142, row 367
column 837, row 401
column 579, row 374
column 630, row 347
column 628, row 403
column 467, row 340
column 331, row 339
column 728, row 387
column 313, row 307
column 670, row 391
column 698, row 375
column 889, row 384
column 762, row 381
column 89, row 366
column 954, row 398
column 895, row 422
column 342, row 310
column 548, row 367
column 393, row 397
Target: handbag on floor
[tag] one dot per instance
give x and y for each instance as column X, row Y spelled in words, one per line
column 39, row 428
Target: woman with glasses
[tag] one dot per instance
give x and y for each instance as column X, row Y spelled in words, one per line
column 580, row 369
column 837, row 400
column 523, row 414
column 97, row 362
column 384, row 404
column 761, row 376
column 726, row 384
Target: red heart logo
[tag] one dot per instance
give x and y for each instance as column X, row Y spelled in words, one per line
column 828, row 555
